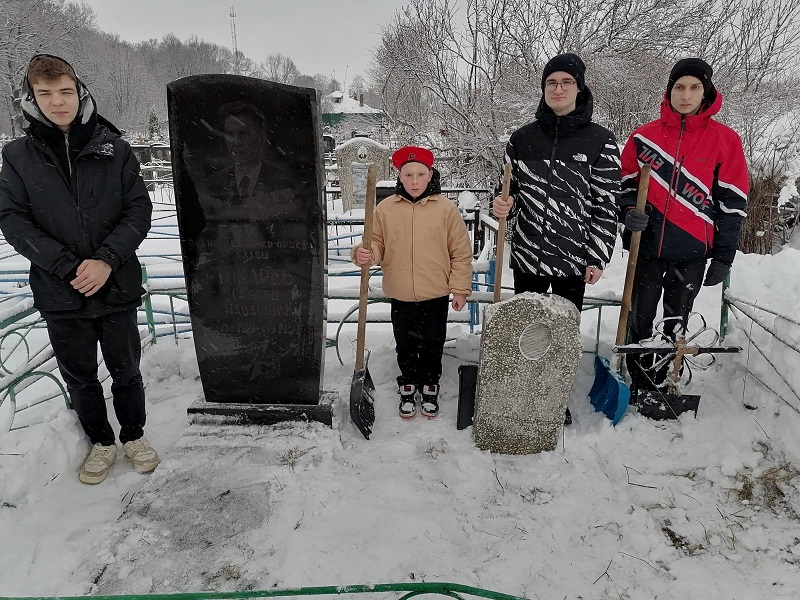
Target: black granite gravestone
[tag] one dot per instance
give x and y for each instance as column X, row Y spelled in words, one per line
column 251, row 213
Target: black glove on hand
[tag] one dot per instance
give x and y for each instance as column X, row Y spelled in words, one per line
column 636, row 220
column 717, row 272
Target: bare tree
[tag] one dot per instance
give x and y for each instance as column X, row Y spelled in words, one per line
column 464, row 88
column 279, row 68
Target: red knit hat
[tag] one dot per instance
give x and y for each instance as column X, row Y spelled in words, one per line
column 408, row 154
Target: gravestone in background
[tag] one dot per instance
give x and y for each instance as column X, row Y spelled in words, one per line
column 253, row 249
column 353, row 158
column 359, row 174
column 530, row 350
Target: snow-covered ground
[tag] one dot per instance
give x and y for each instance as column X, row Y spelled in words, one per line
column 695, row 508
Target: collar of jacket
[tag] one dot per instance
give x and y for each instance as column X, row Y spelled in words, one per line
column 580, row 117
column 434, row 187
column 673, row 119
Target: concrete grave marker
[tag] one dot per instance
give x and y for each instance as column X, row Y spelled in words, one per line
column 530, row 350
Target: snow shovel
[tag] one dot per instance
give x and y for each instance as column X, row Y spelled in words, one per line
column 468, row 374
column 362, row 389
column 660, row 405
column 610, row 394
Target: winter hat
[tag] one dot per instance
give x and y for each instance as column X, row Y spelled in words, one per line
column 695, row 67
column 569, row 63
column 408, row 154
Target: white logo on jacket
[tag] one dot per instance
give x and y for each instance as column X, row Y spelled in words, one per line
column 579, row 157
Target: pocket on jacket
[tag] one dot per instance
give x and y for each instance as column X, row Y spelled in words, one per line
column 709, row 237
column 124, row 285
column 51, row 293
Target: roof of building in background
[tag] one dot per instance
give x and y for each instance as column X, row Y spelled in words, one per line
column 337, row 103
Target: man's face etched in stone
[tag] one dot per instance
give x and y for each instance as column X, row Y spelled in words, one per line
column 244, row 139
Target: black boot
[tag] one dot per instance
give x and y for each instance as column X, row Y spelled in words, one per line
column 430, row 400
column 408, row 397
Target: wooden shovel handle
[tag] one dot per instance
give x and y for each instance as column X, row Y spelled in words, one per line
column 633, row 254
column 366, row 241
column 501, row 236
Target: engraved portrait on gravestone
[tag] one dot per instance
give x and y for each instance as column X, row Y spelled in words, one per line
column 251, row 214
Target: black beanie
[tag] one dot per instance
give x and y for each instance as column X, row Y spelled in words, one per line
column 569, row 63
column 695, row 67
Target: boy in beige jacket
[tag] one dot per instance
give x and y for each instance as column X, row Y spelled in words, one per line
column 422, row 245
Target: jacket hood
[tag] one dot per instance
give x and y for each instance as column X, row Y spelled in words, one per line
column 707, row 110
column 34, row 116
column 580, row 117
column 434, row 187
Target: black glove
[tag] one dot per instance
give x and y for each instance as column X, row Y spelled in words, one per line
column 636, row 220
column 717, row 272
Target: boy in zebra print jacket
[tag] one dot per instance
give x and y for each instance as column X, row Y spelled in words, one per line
column 564, row 189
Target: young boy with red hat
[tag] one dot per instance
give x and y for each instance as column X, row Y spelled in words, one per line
column 695, row 204
column 424, row 250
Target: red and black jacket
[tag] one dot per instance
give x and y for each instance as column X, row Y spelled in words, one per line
column 698, row 188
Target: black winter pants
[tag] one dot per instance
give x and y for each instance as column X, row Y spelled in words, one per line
column 74, row 343
column 680, row 283
column 420, row 330
column 572, row 287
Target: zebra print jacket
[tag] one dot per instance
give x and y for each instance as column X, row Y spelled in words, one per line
column 565, row 183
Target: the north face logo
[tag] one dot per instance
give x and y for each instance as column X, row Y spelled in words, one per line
column 106, row 149
column 579, row 158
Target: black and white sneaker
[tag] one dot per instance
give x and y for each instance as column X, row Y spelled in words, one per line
column 430, row 400
column 408, row 404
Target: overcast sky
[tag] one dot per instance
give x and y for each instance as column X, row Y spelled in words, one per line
column 320, row 36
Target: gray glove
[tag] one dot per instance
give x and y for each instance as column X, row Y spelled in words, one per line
column 636, row 220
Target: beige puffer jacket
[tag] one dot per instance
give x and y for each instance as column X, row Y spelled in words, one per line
column 423, row 248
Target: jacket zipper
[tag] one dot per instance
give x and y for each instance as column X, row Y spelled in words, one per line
column 550, row 173
column 76, row 193
column 676, row 173
column 69, row 161
column 413, row 215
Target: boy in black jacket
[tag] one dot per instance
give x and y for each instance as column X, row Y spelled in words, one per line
column 564, row 190
column 73, row 203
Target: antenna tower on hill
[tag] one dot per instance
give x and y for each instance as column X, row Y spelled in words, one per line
column 233, row 42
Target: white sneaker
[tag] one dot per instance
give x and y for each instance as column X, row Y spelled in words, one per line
column 142, row 455
column 95, row 467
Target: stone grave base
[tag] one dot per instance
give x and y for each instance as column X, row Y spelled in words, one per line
column 263, row 414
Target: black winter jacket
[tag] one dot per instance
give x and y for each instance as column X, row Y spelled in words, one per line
column 565, row 183
column 57, row 219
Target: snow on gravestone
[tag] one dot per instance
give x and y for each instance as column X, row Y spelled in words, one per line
column 530, row 350
column 251, row 212
column 353, row 158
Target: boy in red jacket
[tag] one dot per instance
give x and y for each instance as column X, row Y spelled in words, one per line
column 695, row 204
column 423, row 247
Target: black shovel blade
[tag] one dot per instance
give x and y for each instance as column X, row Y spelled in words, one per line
column 467, row 384
column 660, row 406
column 362, row 401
